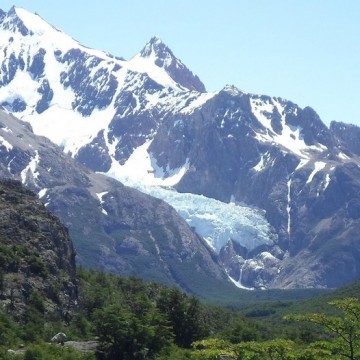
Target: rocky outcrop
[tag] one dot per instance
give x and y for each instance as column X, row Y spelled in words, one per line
column 37, row 254
column 348, row 136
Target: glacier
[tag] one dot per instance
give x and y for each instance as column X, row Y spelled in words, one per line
column 217, row 222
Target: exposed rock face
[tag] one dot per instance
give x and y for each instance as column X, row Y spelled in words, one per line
column 164, row 58
column 37, row 254
column 348, row 136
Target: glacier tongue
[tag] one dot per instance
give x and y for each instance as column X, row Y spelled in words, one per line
column 217, row 222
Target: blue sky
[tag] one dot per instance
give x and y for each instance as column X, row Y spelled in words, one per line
column 307, row 51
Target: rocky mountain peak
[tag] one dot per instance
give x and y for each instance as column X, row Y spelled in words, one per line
column 156, row 47
column 12, row 11
column 158, row 52
column 232, row 90
column 11, row 21
column 28, row 23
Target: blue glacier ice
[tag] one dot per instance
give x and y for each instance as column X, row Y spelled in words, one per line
column 217, row 222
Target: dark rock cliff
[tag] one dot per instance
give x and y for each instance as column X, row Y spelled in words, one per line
column 36, row 253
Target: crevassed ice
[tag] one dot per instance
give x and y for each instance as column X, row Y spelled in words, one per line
column 217, row 222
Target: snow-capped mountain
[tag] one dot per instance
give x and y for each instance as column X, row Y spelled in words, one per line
column 270, row 187
column 47, row 74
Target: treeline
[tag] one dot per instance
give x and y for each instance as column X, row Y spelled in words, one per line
column 132, row 319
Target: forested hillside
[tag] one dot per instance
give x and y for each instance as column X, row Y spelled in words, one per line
column 133, row 319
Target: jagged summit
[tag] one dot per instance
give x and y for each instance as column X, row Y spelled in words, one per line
column 33, row 30
column 33, row 22
column 12, row 22
column 12, row 10
column 20, row 14
column 156, row 47
column 162, row 56
column 28, row 23
column 232, row 90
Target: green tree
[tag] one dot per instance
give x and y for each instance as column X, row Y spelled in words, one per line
column 239, row 330
column 2, row 282
column 344, row 329
column 8, row 330
column 124, row 336
column 42, row 351
column 185, row 315
column 33, row 328
column 278, row 349
column 215, row 349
